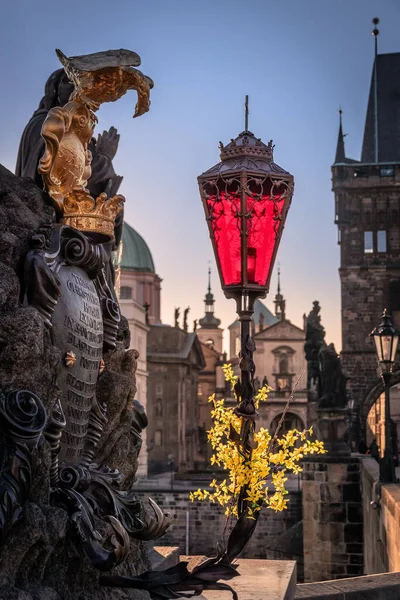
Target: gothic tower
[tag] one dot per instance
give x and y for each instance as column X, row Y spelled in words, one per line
column 367, row 213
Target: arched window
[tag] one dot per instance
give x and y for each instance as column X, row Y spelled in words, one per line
column 290, row 421
column 125, row 292
column 159, row 407
column 283, row 368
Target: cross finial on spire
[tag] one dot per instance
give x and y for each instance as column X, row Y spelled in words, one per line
column 209, row 280
column 375, row 33
column 340, row 151
column 279, row 278
column 246, row 113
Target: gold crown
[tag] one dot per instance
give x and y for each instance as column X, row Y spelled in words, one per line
column 86, row 214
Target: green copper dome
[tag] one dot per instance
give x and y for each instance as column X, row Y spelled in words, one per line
column 136, row 255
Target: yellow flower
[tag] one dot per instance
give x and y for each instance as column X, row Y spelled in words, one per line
column 266, row 466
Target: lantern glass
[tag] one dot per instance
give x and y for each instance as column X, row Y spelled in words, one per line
column 245, row 227
column 395, row 341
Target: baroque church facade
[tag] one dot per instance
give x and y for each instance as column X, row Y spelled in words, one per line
column 280, row 363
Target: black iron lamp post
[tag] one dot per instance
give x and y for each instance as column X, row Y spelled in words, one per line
column 246, row 198
column 386, row 338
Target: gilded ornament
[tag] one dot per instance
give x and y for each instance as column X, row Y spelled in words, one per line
column 67, row 130
column 70, row 358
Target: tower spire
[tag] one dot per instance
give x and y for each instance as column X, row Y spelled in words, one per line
column 279, row 279
column 375, row 33
column 280, row 302
column 340, row 151
column 209, row 321
column 246, row 113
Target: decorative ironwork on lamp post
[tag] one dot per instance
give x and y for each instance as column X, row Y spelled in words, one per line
column 246, row 198
column 386, row 338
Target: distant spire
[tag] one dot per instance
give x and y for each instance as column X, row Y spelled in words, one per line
column 209, row 321
column 375, row 33
column 279, row 279
column 340, row 152
column 280, row 302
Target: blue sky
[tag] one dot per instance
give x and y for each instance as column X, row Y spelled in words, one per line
column 297, row 59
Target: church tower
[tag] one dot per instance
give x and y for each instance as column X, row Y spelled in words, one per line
column 280, row 302
column 209, row 332
column 367, row 214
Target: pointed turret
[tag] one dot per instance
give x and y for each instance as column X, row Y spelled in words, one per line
column 280, row 302
column 340, row 151
column 209, row 321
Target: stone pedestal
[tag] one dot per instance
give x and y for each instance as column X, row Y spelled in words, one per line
column 332, row 518
column 259, row 580
column 332, row 426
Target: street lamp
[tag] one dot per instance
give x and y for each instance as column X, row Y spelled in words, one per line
column 386, row 338
column 246, row 198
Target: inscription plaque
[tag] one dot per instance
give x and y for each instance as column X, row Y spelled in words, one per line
column 78, row 328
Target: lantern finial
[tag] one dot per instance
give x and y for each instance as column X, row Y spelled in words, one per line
column 246, row 113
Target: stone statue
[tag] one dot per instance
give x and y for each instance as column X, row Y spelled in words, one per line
column 261, row 322
column 176, row 317
column 103, row 178
column 185, row 317
column 195, row 325
column 315, row 336
column 257, row 384
column 333, row 381
column 73, row 376
column 265, row 381
column 57, row 90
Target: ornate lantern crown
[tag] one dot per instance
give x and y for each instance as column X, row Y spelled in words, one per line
column 246, row 198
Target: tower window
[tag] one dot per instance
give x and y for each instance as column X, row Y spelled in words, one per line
column 382, row 241
column 159, row 407
column 386, row 171
column 368, row 242
column 125, row 293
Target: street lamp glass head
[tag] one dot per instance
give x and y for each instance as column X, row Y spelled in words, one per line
column 246, row 198
column 386, row 338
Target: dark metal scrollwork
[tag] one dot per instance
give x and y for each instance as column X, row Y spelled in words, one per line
column 53, row 434
column 110, row 309
column 42, row 285
column 84, row 319
column 22, row 421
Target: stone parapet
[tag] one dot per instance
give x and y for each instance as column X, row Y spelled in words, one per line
column 332, row 518
column 371, row 587
column 381, row 509
column 207, row 525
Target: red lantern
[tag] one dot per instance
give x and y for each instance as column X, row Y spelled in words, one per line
column 246, row 198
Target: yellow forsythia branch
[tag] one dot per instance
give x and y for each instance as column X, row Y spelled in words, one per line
column 267, row 467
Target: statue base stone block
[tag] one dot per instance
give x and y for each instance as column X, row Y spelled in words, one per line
column 332, row 518
column 40, row 559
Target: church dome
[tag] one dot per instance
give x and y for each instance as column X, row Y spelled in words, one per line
column 136, row 255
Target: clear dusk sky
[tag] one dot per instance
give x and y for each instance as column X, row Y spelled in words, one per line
column 297, row 59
